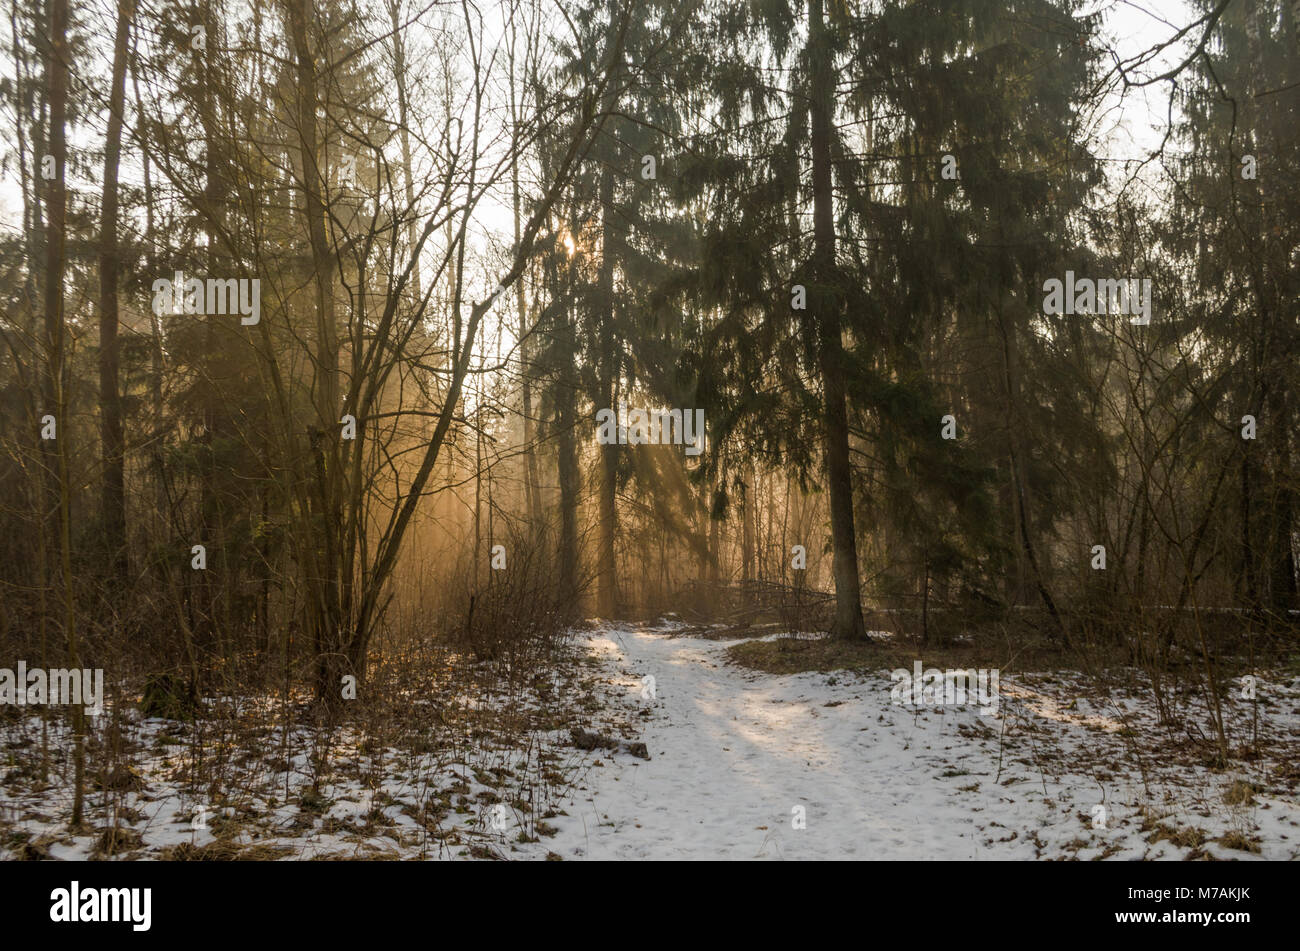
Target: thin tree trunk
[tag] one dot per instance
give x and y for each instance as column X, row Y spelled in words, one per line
column 404, row 136
column 532, row 490
column 110, row 402
column 1282, row 564
column 606, row 570
column 747, row 523
column 566, row 393
column 55, row 332
column 1249, row 573
column 715, row 527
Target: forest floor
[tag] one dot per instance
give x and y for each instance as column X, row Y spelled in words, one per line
column 744, row 763
column 740, row 756
column 454, row 763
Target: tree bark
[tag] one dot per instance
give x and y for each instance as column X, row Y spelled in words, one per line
column 606, row 570
column 112, row 437
column 55, row 260
column 569, row 476
column 331, row 650
column 848, row 622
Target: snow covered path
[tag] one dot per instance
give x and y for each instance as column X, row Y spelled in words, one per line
column 737, row 753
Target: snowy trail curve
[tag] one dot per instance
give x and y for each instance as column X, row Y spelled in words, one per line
column 736, row 754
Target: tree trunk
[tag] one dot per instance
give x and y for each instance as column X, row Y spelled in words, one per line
column 54, row 330
column 1281, row 508
column 328, row 409
column 404, row 136
column 566, row 419
column 746, row 493
column 606, row 570
column 839, row 475
column 532, row 488
column 110, row 402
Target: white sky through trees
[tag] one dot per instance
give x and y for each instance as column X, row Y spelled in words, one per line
column 1127, row 125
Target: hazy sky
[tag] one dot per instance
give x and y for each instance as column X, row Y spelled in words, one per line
column 1128, row 130
column 1133, row 26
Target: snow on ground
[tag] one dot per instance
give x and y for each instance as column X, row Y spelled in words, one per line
column 737, row 754
column 1066, row 769
column 470, row 772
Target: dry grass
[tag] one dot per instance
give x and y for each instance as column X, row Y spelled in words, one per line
column 1239, row 840
column 223, row 851
column 789, row 655
column 1240, row 793
column 794, row 655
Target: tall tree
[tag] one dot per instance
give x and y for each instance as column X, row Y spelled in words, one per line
column 825, row 311
column 113, row 440
column 55, row 334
